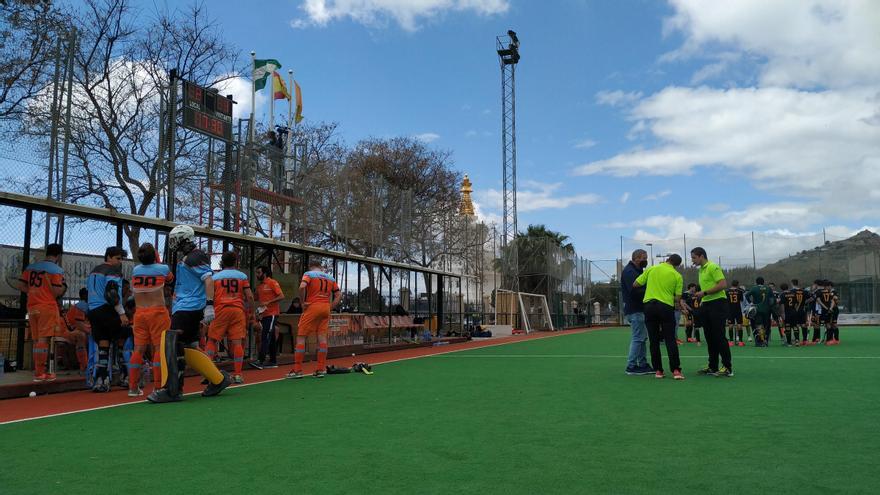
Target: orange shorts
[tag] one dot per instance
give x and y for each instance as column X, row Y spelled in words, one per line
column 149, row 323
column 315, row 320
column 229, row 322
column 45, row 322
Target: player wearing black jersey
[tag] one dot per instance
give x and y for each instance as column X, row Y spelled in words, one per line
column 690, row 307
column 813, row 304
column 794, row 302
column 791, row 301
column 827, row 300
column 777, row 312
column 735, row 295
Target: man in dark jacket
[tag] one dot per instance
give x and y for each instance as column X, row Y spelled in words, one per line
column 634, row 309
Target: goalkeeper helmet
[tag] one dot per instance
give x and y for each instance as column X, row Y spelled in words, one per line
column 751, row 311
column 180, row 236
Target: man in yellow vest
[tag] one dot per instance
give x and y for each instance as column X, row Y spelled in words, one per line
column 713, row 311
column 663, row 291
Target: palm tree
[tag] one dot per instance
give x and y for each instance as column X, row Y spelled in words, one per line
column 545, row 259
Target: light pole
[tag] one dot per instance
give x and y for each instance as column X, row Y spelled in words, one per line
column 651, row 246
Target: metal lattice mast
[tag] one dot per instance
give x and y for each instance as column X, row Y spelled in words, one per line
column 508, row 52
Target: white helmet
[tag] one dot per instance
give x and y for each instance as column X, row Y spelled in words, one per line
column 179, row 236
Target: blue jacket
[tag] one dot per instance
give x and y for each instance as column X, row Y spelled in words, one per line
column 632, row 298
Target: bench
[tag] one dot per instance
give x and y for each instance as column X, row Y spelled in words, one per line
column 379, row 322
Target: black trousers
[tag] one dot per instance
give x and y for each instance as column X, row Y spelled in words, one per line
column 267, row 343
column 660, row 320
column 714, row 314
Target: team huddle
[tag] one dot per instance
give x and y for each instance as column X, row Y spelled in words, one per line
column 166, row 314
column 791, row 309
column 654, row 300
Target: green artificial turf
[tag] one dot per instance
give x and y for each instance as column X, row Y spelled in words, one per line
column 556, row 415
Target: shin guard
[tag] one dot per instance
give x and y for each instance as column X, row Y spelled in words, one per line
column 173, row 363
column 198, row 361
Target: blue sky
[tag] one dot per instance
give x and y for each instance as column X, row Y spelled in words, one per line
column 643, row 119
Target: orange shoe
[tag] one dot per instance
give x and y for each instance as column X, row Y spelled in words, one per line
column 676, row 374
column 41, row 377
column 691, row 340
column 49, row 377
column 659, row 374
column 729, row 344
column 742, row 344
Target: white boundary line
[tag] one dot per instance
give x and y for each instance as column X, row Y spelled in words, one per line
column 66, row 413
column 608, row 356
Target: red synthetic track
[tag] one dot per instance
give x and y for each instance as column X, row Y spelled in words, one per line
column 70, row 402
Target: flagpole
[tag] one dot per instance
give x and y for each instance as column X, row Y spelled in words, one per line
column 272, row 103
column 289, row 109
column 253, row 95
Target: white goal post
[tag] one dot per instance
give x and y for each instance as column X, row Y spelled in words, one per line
column 532, row 310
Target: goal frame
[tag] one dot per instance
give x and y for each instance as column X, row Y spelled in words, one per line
column 522, row 308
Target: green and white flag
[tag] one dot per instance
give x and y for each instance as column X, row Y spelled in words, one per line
column 262, row 70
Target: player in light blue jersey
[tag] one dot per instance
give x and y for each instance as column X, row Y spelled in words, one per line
column 192, row 305
column 106, row 313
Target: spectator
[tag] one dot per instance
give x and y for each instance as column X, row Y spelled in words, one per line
column 634, row 309
column 295, row 307
column 79, row 328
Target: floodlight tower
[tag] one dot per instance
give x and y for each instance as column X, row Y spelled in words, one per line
column 507, row 47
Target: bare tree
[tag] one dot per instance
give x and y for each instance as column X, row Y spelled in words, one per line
column 121, row 70
column 28, row 32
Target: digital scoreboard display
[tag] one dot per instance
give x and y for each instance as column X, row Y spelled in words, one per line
column 207, row 112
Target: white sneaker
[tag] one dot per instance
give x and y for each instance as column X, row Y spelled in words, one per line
column 135, row 393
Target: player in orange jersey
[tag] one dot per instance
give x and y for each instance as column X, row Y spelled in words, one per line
column 269, row 294
column 79, row 328
column 320, row 295
column 43, row 282
column 151, row 318
column 231, row 291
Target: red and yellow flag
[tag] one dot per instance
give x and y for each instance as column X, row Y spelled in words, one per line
column 299, row 102
column 279, row 90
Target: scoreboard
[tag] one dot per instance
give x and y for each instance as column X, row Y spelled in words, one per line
column 205, row 111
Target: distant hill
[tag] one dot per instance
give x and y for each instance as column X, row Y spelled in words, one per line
column 850, row 260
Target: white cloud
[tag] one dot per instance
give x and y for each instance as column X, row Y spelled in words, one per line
column 486, row 217
column 470, row 133
column 822, row 43
column 779, row 229
column 617, row 97
column 624, row 198
column 240, row 89
column 585, row 143
column 427, row 137
column 815, row 144
column 535, row 196
column 406, row 13
column 657, row 196
column 806, row 128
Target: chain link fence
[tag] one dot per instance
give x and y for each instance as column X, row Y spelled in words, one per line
column 851, row 262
